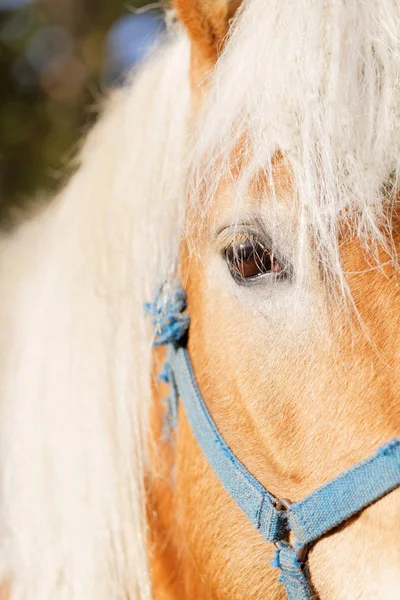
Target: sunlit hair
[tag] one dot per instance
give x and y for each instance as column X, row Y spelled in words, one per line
column 320, row 83
column 316, row 80
column 75, row 350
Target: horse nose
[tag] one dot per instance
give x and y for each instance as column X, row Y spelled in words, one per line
column 361, row 561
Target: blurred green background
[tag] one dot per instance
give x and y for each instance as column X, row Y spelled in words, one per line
column 57, row 59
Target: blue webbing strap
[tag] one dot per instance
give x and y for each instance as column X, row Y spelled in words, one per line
column 346, row 495
column 294, row 574
column 248, row 493
column 330, row 505
column 309, row 519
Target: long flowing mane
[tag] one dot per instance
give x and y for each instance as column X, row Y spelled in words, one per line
column 75, row 348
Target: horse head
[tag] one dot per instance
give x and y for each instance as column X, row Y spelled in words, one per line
column 293, row 296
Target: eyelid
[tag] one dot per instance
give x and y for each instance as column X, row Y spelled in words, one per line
column 229, row 237
column 236, row 234
column 241, row 232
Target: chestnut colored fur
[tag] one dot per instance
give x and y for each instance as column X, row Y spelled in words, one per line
column 207, row 22
column 337, row 405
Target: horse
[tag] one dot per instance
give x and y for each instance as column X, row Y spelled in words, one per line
column 248, row 172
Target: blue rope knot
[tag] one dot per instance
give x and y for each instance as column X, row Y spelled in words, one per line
column 286, row 558
column 294, row 573
column 170, row 325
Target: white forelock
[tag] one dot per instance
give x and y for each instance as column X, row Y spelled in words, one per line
column 320, row 81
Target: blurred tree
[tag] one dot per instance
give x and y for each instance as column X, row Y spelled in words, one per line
column 52, row 71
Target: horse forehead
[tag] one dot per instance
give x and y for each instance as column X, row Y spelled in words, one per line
column 269, row 194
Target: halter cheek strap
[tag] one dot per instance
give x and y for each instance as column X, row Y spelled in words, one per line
column 318, row 514
column 309, row 519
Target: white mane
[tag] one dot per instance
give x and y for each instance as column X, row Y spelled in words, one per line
column 317, row 79
column 75, row 351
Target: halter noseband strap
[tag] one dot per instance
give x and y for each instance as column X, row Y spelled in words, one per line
column 329, row 506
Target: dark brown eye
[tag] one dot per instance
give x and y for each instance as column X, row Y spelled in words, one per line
column 249, row 259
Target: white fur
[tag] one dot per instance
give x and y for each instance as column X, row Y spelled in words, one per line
column 75, row 348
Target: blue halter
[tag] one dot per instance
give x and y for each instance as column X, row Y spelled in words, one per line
column 329, row 506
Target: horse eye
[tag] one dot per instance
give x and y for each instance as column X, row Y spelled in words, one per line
column 250, row 259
